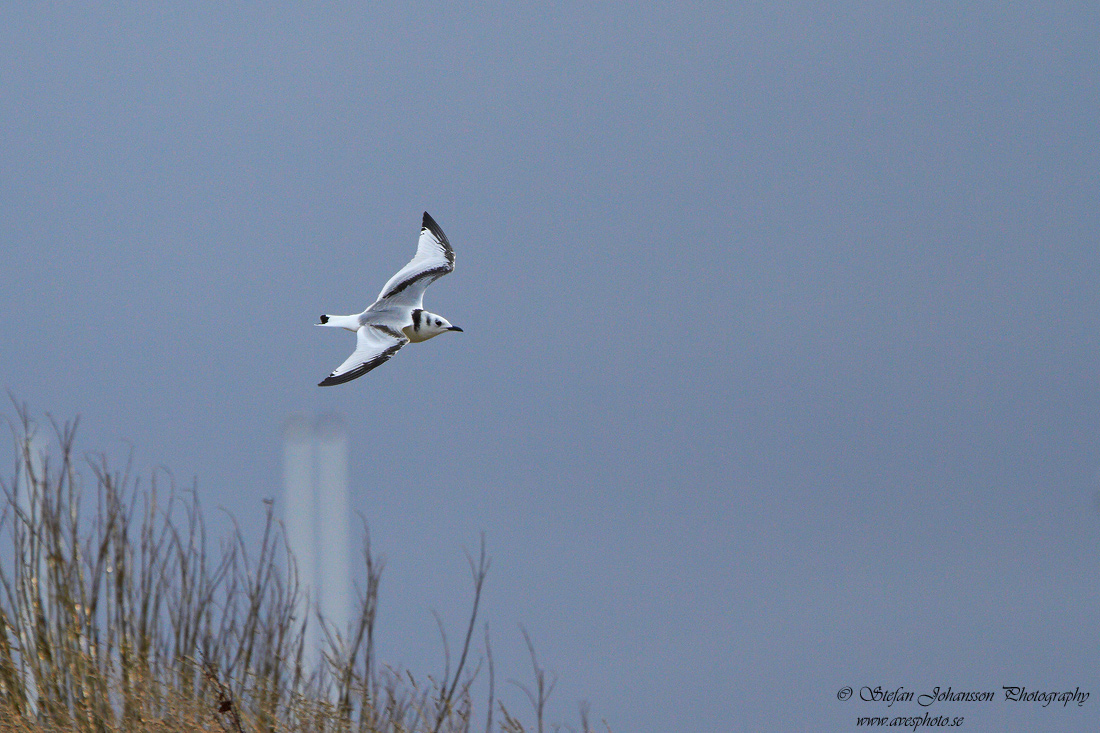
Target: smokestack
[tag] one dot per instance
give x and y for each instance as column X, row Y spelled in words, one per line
column 315, row 482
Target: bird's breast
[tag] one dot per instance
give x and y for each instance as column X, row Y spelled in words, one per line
column 417, row 335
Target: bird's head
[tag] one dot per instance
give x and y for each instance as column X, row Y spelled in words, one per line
column 426, row 325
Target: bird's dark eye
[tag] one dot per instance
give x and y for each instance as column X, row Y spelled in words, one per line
column 439, row 323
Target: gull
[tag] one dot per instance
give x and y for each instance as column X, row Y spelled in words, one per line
column 397, row 316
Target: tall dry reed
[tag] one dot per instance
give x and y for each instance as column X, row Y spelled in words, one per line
column 117, row 614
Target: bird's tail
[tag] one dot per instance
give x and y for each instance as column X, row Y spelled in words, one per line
column 351, row 323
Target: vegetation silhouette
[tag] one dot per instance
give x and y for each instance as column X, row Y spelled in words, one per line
column 116, row 616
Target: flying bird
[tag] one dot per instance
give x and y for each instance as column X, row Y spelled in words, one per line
column 397, row 316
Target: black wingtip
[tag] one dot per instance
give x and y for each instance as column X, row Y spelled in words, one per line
column 324, row 319
column 332, row 379
column 431, row 226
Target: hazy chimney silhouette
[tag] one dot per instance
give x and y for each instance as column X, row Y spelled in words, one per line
column 315, row 482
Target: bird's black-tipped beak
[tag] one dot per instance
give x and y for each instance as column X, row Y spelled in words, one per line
column 455, row 328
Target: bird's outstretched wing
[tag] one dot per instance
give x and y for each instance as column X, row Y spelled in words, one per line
column 434, row 259
column 374, row 345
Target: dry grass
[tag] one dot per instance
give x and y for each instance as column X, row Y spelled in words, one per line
column 116, row 616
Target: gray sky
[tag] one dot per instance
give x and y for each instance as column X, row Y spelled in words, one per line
column 778, row 371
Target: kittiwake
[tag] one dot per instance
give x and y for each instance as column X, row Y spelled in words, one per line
column 396, row 317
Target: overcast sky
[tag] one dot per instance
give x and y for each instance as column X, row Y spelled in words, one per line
column 781, row 323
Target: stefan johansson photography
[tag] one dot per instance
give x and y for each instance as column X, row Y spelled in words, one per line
column 549, row 367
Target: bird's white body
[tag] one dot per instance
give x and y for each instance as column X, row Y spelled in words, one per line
column 396, row 317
